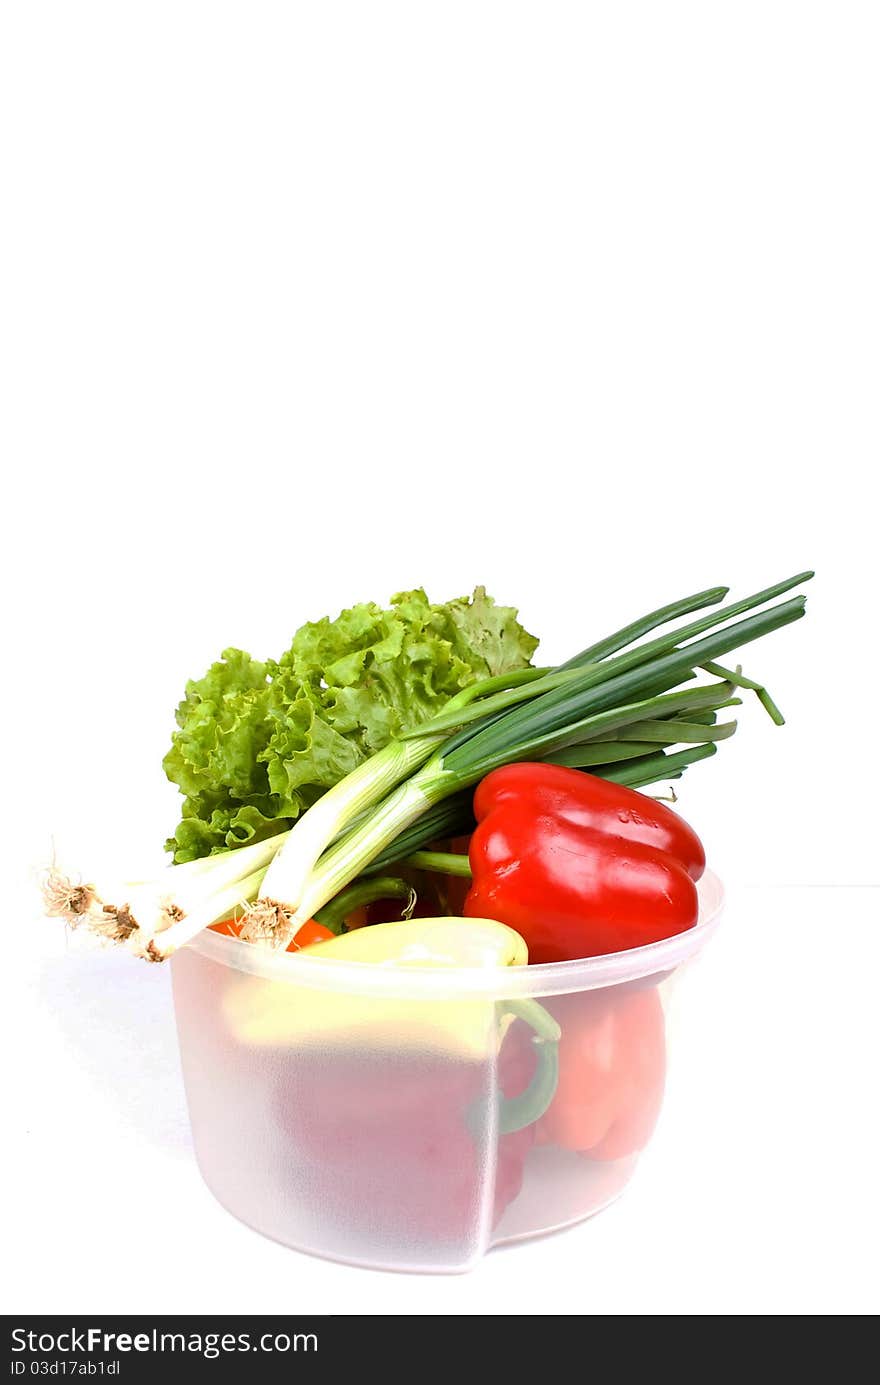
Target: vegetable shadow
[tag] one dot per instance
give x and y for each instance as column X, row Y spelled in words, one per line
column 118, row 1019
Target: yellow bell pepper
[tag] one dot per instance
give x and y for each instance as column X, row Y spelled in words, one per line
column 440, row 942
column 279, row 1014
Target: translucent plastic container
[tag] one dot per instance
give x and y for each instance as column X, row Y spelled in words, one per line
column 410, row 1119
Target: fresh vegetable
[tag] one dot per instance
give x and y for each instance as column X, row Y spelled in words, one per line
column 452, row 689
column 382, row 1092
column 363, row 893
column 602, row 705
column 612, row 1067
column 260, row 1013
column 580, row 866
column 398, row 1141
column 230, row 928
column 258, row 742
column 427, row 899
column 154, row 917
column 439, row 942
column 346, row 801
column 324, row 792
column 311, row 932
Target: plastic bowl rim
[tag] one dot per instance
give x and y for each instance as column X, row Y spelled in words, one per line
column 545, row 978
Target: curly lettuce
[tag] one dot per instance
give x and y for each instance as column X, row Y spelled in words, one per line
column 258, row 742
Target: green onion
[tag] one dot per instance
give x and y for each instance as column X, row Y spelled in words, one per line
column 736, row 677
column 559, row 682
column 337, row 808
column 601, row 690
column 346, row 801
column 660, row 766
column 609, row 685
column 671, row 731
column 452, row 817
column 446, row 862
column 154, row 917
column 630, row 633
column 600, row 753
column 214, row 907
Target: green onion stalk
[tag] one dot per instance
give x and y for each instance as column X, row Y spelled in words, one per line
column 613, row 709
column 153, row 917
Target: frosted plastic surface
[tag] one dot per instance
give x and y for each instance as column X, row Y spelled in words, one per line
column 357, row 1112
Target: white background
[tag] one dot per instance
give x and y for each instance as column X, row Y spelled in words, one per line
column 301, row 305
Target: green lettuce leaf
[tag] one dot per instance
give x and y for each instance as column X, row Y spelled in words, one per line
column 258, row 743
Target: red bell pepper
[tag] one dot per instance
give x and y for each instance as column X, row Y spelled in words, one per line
column 579, row 866
column 392, row 1141
column 612, row 1068
column 311, row 932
